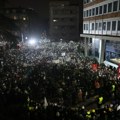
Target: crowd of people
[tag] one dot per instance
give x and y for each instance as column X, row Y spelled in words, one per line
column 55, row 82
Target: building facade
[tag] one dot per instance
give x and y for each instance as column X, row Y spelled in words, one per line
column 25, row 19
column 64, row 21
column 101, row 30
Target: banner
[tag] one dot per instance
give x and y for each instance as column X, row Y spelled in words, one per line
column 118, row 72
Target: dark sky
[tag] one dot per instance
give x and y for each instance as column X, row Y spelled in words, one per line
column 42, row 6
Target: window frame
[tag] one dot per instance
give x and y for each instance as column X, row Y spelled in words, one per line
column 109, row 25
column 118, row 26
column 114, row 25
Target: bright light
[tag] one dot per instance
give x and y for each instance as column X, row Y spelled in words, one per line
column 26, row 38
column 32, row 42
column 54, row 20
column 24, row 18
column 63, row 54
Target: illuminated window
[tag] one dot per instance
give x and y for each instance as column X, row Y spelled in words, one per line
column 54, row 20
column 14, row 17
column 24, row 18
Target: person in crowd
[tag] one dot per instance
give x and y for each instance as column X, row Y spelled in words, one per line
column 45, row 83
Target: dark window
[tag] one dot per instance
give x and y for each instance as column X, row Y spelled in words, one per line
column 100, row 10
column 109, row 7
column 119, row 25
column 92, row 26
column 90, row 40
column 115, row 5
column 113, row 25
column 119, row 4
column 93, row 11
column 90, row 12
column 84, row 13
column 100, row 26
column 84, row 26
column 96, row 10
column 87, row 14
column 108, row 25
column 105, row 8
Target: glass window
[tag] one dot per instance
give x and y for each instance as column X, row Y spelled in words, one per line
column 105, row 8
column 84, row 1
column 118, row 25
column 92, row 26
column 90, row 40
column 104, row 25
column 109, row 7
column 108, row 26
column 96, row 10
column 90, row 12
column 93, row 11
column 119, row 4
column 113, row 25
column 100, row 26
column 96, row 26
column 87, row 14
column 115, row 5
column 100, row 10
column 83, row 13
column 14, row 17
column 84, row 26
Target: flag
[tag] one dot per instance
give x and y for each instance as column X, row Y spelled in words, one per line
column 45, row 104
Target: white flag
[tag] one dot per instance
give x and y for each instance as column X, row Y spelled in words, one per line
column 45, row 104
